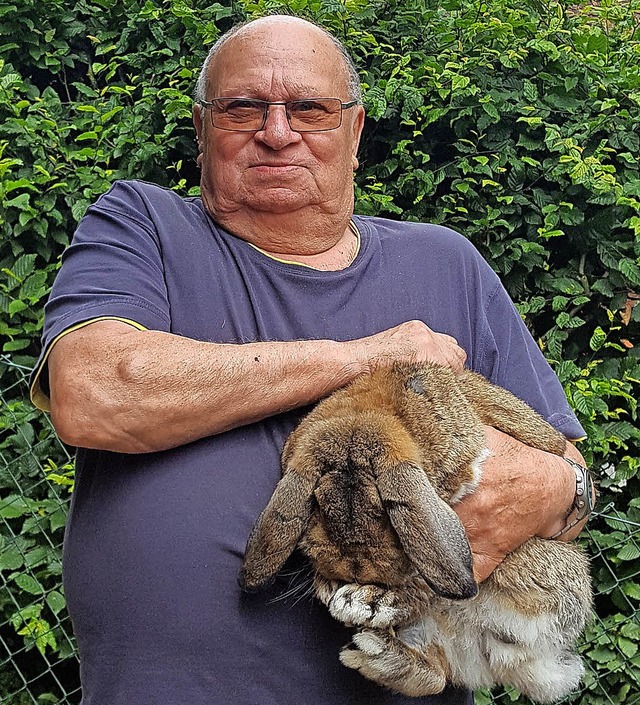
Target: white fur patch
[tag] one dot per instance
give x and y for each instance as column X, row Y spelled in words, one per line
column 487, row 644
column 353, row 605
column 476, row 470
column 369, row 643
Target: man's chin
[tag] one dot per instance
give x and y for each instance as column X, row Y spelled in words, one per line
column 279, row 201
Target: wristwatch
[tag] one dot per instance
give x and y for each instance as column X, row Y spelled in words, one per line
column 583, row 501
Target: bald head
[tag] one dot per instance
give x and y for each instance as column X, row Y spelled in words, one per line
column 274, row 26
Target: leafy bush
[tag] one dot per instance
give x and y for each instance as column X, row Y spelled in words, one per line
column 516, row 123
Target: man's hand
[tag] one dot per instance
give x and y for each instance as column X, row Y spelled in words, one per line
column 523, row 493
column 412, row 341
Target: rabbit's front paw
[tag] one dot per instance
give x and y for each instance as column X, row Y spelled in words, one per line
column 366, row 606
column 384, row 659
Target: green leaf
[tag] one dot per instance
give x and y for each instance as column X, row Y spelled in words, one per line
column 628, row 647
column 56, row 602
column 16, row 306
column 567, row 370
column 459, row 82
column 9, row 79
column 20, row 202
column 629, row 552
column 16, row 344
column 29, row 584
column 34, row 286
column 582, row 404
column 601, row 655
column 58, row 520
column 36, row 556
column 13, row 506
column 563, row 319
column 23, row 266
column 597, row 339
column 26, row 614
column 533, row 121
column 631, row 141
column 78, row 209
column 567, row 286
column 491, row 110
column 114, row 111
column 631, row 590
column 11, row 559
column 630, row 270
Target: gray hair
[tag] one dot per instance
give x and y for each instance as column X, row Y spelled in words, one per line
column 353, row 84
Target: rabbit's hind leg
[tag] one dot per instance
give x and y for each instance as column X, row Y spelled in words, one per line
column 384, row 659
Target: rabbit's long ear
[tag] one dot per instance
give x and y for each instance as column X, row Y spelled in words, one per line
column 277, row 530
column 429, row 530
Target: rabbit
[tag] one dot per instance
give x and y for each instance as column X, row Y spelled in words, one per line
column 368, row 479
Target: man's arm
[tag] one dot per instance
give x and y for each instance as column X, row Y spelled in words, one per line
column 117, row 388
column 523, row 492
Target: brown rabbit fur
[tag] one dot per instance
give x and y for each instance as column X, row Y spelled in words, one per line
column 368, row 479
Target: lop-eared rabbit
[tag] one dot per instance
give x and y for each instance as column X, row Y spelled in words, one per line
column 368, row 479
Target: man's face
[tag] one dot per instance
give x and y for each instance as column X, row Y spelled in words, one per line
column 277, row 170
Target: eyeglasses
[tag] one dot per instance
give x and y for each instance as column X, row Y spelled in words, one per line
column 249, row 115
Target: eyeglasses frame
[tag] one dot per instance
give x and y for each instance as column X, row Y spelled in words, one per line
column 343, row 106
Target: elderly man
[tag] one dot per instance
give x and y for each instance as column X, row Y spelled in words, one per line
column 184, row 336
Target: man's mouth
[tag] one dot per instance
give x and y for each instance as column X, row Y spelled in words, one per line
column 276, row 168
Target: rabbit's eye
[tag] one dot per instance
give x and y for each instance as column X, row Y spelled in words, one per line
column 415, row 385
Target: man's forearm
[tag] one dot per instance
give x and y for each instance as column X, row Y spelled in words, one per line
column 116, row 388
column 161, row 390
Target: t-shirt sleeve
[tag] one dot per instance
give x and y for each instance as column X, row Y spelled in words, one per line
column 510, row 358
column 113, row 269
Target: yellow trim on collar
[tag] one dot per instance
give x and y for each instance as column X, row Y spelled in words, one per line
column 38, row 398
column 354, row 230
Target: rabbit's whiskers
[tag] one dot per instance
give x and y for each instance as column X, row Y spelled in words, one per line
column 300, row 585
column 308, row 593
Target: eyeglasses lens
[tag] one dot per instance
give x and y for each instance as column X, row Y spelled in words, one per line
column 249, row 115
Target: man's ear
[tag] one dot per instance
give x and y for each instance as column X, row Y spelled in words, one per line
column 198, row 124
column 358, row 124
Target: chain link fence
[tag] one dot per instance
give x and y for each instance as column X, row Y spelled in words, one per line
column 38, row 661
column 38, row 658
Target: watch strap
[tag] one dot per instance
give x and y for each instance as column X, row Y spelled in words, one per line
column 583, row 499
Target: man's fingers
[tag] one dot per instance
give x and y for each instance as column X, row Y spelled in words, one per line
column 484, row 565
column 414, row 341
column 454, row 354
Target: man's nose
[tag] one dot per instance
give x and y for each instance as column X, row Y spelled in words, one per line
column 276, row 132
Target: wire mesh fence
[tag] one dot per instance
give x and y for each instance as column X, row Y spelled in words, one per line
column 38, row 657
column 38, row 662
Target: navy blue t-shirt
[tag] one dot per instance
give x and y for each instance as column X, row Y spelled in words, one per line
column 154, row 542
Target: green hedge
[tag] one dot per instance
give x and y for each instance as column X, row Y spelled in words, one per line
column 516, row 123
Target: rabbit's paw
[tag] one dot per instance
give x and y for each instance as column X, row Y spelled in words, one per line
column 366, row 606
column 384, row 659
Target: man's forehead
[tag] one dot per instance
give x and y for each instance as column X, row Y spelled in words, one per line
column 289, row 79
column 283, row 51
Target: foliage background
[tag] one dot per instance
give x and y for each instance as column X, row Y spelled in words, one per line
column 517, row 123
